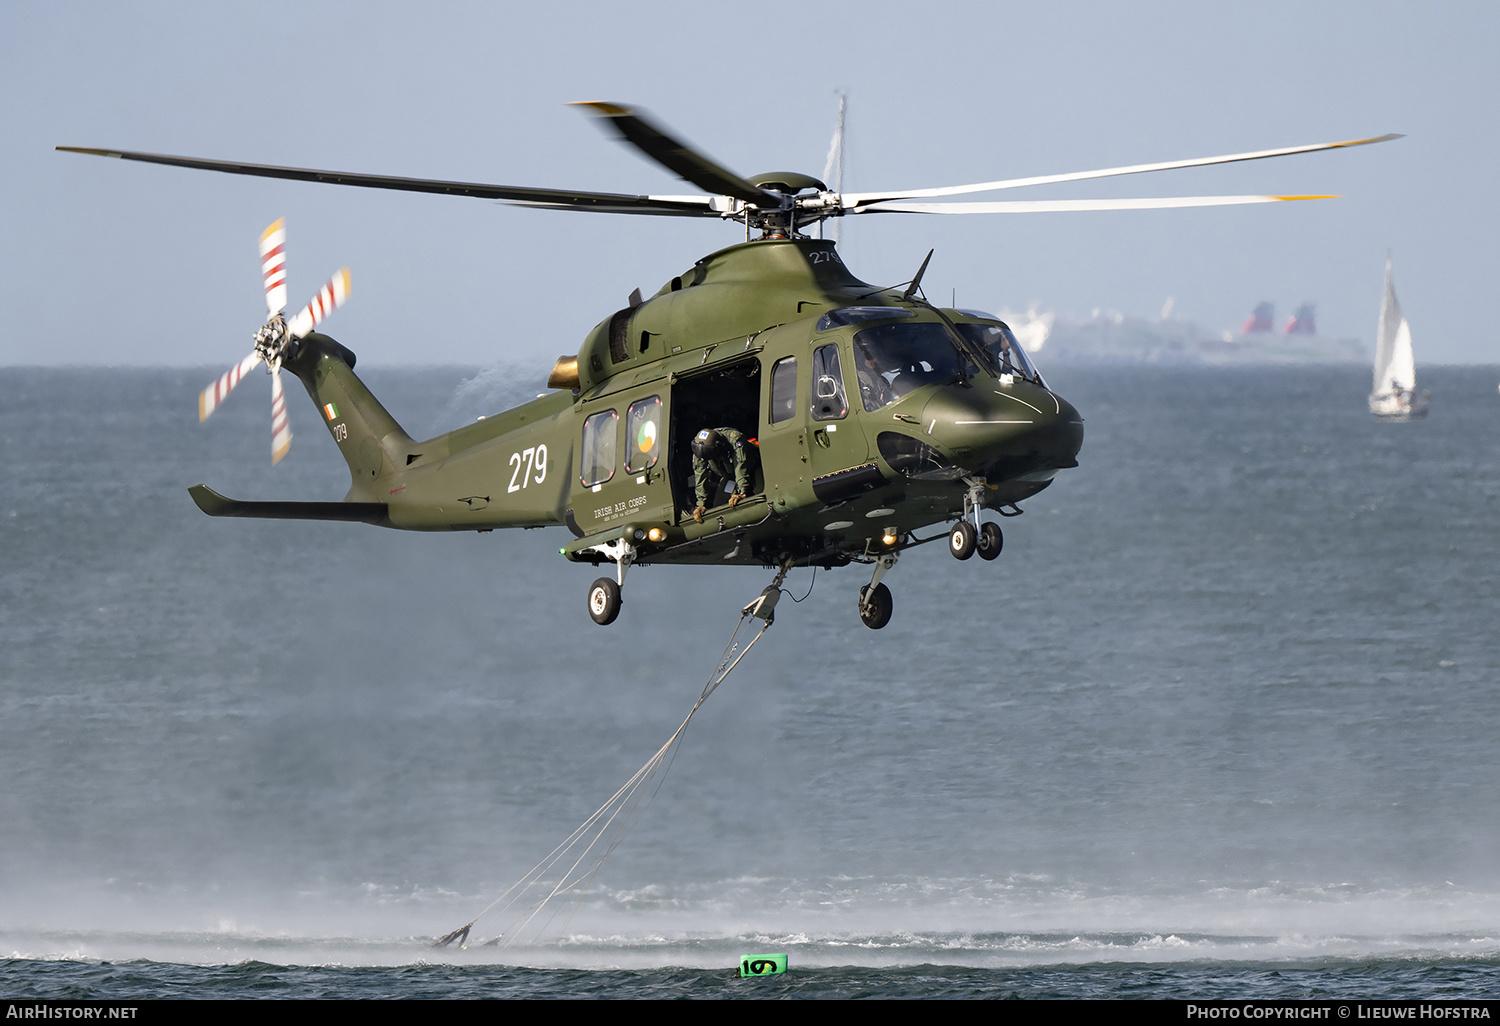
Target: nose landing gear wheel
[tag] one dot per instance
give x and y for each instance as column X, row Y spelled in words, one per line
column 991, row 541
column 877, row 612
column 604, row 601
column 961, row 540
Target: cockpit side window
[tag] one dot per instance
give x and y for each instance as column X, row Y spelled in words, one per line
column 829, row 401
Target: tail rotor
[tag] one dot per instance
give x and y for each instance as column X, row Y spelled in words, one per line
column 277, row 338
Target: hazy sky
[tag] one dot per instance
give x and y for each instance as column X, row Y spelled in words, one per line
column 109, row 262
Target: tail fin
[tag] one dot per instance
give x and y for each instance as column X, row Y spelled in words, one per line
column 369, row 438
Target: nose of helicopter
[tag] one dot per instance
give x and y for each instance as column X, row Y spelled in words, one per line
column 1005, row 431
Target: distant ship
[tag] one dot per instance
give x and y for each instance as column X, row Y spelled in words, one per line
column 1394, row 394
column 1112, row 338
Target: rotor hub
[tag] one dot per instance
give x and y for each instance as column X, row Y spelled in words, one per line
column 272, row 339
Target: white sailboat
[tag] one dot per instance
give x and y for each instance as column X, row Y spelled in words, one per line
column 1394, row 395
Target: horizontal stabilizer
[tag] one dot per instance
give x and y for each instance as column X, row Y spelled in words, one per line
column 216, row 505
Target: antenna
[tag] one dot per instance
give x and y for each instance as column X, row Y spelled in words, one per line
column 916, row 283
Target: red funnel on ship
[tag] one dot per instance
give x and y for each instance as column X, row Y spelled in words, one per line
column 1302, row 322
column 1261, row 319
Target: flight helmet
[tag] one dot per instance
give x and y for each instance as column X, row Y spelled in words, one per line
column 705, row 443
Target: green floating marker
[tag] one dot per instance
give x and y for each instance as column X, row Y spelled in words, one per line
column 762, row 965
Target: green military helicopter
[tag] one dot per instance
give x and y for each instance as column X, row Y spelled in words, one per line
column 870, row 414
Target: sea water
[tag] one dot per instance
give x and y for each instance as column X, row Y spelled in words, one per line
column 1220, row 721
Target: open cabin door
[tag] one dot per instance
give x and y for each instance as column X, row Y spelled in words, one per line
column 719, row 397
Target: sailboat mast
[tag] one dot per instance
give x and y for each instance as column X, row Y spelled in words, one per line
column 1385, row 333
column 833, row 168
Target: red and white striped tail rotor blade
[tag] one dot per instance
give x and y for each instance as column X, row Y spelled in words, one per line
column 328, row 299
column 281, row 428
column 213, row 395
column 273, row 265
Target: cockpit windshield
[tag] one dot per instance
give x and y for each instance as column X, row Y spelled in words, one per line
column 1001, row 344
column 893, row 359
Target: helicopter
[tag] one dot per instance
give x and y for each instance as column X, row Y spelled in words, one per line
column 870, row 414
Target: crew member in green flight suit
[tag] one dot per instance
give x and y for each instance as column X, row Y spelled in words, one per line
column 718, row 454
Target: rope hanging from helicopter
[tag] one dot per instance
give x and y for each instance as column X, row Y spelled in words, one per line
column 610, row 822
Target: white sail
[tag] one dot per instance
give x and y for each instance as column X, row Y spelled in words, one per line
column 1393, row 393
column 1395, row 367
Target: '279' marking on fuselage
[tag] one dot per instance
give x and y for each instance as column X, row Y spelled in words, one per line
column 535, row 459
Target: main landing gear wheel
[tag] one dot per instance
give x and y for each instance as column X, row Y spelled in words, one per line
column 961, row 540
column 877, row 612
column 991, row 541
column 604, row 601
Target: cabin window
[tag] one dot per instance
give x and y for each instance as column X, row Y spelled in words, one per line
column 643, row 431
column 599, row 448
column 829, row 401
column 783, row 390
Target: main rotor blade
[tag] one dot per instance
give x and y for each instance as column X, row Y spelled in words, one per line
column 569, row 199
column 1057, row 206
column 213, row 395
column 329, row 298
column 678, row 157
column 853, row 199
column 273, row 265
column 686, row 206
